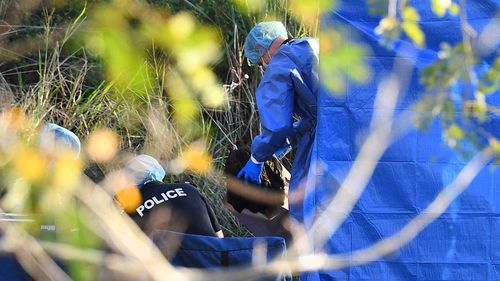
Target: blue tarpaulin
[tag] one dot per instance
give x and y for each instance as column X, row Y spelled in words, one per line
column 464, row 242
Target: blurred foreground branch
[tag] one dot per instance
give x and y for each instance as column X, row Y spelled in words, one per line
column 382, row 248
column 30, row 254
column 124, row 234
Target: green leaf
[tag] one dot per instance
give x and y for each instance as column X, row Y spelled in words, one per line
column 448, row 110
column 82, row 271
column 455, row 132
column 254, row 6
column 341, row 61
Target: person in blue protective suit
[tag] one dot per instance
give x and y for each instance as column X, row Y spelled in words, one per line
column 288, row 90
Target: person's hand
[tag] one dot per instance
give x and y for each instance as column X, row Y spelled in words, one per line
column 251, row 172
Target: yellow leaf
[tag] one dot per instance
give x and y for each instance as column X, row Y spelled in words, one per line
column 386, row 24
column 202, row 77
column 181, row 26
column 454, row 9
column 329, row 40
column 185, row 109
column 480, row 102
column 439, row 7
column 495, row 144
column 16, row 199
column 410, row 14
column 30, row 164
column 309, row 11
column 102, row 145
column 197, row 159
column 67, row 171
column 15, row 117
column 214, row 96
column 129, row 198
column 455, row 132
column 414, row 32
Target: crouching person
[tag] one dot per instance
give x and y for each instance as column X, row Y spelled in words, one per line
column 178, row 207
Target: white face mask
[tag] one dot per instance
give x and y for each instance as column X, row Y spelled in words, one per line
column 263, row 65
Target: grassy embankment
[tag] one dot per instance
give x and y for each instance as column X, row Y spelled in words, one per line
column 58, row 79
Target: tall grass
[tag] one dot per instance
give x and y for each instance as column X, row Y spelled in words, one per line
column 61, row 95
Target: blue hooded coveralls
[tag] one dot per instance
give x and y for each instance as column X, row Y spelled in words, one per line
column 289, row 87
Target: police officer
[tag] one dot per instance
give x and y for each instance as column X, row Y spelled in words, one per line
column 177, row 207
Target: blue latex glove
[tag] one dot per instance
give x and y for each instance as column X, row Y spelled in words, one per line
column 251, row 172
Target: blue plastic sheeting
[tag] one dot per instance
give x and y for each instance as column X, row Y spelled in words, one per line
column 197, row 251
column 11, row 269
column 463, row 243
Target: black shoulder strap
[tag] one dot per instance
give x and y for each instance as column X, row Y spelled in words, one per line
column 288, row 40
